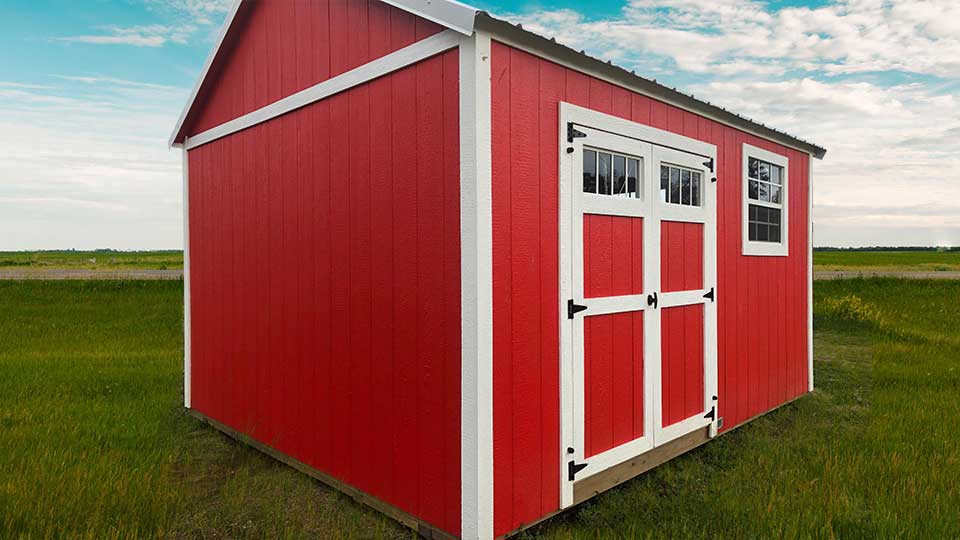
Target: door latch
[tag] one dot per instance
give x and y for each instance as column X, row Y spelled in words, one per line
column 573, row 308
column 653, row 300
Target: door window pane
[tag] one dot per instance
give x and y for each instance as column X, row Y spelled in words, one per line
column 695, row 189
column 619, row 175
column 685, row 187
column 633, row 169
column 664, row 182
column 674, row 185
column 603, row 174
column 589, row 171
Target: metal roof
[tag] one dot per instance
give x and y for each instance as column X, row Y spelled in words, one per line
column 465, row 19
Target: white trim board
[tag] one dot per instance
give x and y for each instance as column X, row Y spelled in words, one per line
column 187, row 365
column 384, row 65
column 448, row 13
column 476, row 245
column 810, row 273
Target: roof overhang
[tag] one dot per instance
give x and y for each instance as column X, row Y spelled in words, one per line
column 465, row 19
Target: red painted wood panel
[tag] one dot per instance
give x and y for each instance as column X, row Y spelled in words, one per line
column 681, row 256
column 325, row 270
column 279, row 47
column 681, row 362
column 752, row 378
column 613, row 344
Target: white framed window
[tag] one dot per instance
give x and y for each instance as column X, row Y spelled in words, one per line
column 765, row 216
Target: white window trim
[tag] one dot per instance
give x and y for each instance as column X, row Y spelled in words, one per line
column 765, row 249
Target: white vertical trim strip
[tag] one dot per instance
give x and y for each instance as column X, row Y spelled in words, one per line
column 476, row 245
column 810, row 272
column 409, row 55
column 186, row 280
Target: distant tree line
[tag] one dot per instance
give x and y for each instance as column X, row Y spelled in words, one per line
column 890, row 248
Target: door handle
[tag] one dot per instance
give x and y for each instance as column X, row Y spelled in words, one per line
column 652, row 300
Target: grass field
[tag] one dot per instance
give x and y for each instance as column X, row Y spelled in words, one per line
column 92, row 260
column 94, row 444
column 929, row 261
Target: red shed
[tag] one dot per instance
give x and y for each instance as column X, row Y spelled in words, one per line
column 472, row 277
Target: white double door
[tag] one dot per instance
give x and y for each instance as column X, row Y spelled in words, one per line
column 638, row 278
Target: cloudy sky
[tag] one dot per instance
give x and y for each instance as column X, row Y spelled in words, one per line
column 90, row 90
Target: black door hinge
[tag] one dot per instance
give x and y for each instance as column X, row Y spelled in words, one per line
column 573, row 468
column 573, row 133
column 653, row 300
column 709, row 164
column 712, row 415
column 710, row 295
column 573, row 309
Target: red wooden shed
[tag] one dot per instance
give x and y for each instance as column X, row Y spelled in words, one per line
column 470, row 276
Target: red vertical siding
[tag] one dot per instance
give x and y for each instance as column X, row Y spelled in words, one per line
column 326, row 286
column 290, row 45
column 754, row 294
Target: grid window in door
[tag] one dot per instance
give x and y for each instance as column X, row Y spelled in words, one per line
column 680, row 186
column 765, row 202
column 609, row 173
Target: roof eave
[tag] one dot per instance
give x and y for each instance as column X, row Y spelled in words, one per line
column 550, row 48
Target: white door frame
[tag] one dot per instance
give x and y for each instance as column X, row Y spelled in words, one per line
column 650, row 144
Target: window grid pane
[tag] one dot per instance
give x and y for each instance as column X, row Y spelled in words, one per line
column 764, row 224
column 589, row 171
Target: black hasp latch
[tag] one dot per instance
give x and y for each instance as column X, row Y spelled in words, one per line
column 653, row 300
column 710, row 295
column 573, row 308
column 573, row 133
column 573, row 468
column 709, row 164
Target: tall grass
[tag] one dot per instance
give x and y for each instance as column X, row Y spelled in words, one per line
column 94, row 444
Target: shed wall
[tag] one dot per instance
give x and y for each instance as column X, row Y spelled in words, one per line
column 762, row 301
column 279, row 47
column 325, row 285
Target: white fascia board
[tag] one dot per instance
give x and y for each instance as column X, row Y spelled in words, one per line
column 448, row 13
column 206, row 70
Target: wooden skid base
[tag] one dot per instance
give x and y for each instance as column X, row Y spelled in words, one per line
column 618, row 474
column 425, row 530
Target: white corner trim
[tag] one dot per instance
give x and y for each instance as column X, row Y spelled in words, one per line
column 186, row 280
column 764, row 249
column 206, row 70
column 384, row 65
column 810, row 272
column 453, row 15
column 476, row 245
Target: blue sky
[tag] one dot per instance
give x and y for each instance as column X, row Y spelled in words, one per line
column 90, row 90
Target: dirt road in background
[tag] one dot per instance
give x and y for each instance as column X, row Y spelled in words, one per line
column 67, row 273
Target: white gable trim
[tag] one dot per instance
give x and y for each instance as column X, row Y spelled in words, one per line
column 449, row 13
column 206, row 70
column 409, row 55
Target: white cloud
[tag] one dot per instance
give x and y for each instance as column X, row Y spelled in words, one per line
column 152, row 35
column 704, row 36
column 86, row 165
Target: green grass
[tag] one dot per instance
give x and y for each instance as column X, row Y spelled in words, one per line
column 92, row 260
column 93, row 442
column 929, row 261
